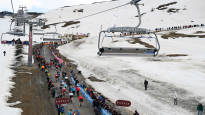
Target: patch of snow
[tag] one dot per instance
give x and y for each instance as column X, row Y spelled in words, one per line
column 6, row 73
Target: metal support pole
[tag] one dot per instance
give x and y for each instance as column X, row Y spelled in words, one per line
column 30, row 46
column 2, row 37
column 24, row 28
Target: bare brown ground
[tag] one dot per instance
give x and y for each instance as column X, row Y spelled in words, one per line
column 70, row 23
column 134, row 41
column 176, row 55
column 31, row 90
column 199, row 32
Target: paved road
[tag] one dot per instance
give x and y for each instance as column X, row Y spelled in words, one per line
column 86, row 108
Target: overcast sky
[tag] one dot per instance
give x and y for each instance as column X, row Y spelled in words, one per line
column 42, row 5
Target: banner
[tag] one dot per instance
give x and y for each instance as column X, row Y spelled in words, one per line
column 59, row 59
column 103, row 111
column 60, row 101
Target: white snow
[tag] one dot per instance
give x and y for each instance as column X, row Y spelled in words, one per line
column 124, row 75
column 6, row 73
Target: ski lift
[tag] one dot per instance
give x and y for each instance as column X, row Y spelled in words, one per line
column 128, row 50
column 51, row 37
column 19, row 19
column 54, row 38
column 16, row 32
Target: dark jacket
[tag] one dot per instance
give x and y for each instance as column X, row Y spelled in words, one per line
column 200, row 107
column 145, row 82
column 136, row 113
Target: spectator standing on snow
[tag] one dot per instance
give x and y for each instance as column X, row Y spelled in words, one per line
column 200, row 109
column 145, row 84
column 175, row 98
column 4, row 53
column 136, row 113
column 13, row 42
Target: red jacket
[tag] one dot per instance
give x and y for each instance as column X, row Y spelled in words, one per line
column 63, row 91
column 77, row 89
column 80, row 97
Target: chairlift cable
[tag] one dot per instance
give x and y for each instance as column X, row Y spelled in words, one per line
column 94, row 13
column 137, row 6
column 12, row 5
column 132, row 2
column 139, row 15
column 11, row 25
column 102, row 11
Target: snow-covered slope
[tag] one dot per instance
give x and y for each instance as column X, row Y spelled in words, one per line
column 124, row 75
column 6, row 72
column 125, row 16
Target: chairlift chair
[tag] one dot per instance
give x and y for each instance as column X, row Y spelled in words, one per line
column 51, row 39
column 19, row 18
column 127, row 50
column 15, row 33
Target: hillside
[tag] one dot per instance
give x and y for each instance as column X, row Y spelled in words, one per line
column 123, row 76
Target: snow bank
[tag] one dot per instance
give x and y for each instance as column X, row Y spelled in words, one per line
column 6, row 73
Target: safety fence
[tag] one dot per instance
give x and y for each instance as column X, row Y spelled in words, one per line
column 56, row 57
column 53, row 43
column 103, row 111
column 11, row 42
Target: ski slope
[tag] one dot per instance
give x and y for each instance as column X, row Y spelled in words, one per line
column 124, row 75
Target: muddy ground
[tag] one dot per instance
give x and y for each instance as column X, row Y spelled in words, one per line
column 30, row 89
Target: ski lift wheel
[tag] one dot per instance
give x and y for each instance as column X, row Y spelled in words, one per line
column 101, row 50
column 99, row 53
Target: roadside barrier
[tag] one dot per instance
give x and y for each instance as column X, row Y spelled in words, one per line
column 10, row 42
column 103, row 111
column 59, row 59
